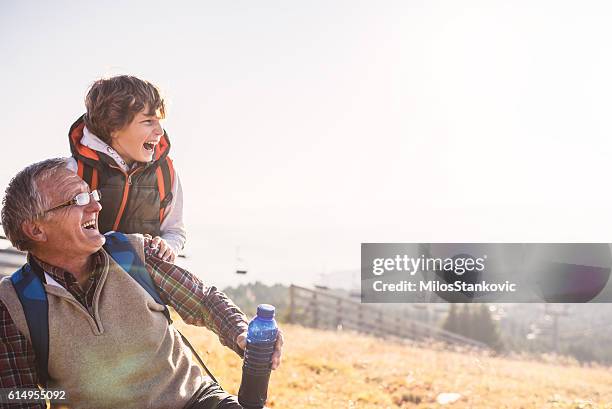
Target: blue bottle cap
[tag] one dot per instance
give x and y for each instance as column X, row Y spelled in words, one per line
column 265, row 311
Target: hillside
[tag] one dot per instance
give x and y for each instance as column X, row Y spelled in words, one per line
column 326, row 369
column 583, row 331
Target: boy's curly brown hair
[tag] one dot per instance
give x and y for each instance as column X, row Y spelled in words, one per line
column 112, row 103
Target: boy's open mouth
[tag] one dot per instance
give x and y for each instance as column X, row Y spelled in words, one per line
column 149, row 146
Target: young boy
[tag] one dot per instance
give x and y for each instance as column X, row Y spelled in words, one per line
column 119, row 147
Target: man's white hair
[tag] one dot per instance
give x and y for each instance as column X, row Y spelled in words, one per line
column 23, row 200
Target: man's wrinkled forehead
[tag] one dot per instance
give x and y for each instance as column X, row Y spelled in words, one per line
column 62, row 184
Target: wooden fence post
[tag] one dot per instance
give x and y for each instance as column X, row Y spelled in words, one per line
column 360, row 318
column 399, row 330
column 338, row 313
column 292, row 304
column 315, row 313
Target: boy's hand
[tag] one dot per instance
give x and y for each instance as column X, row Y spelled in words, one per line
column 165, row 252
column 278, row 347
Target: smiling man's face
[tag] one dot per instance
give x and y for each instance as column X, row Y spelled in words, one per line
column 71, row 230
column 136, row 141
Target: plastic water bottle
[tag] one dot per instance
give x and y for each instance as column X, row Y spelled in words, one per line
column 261, row 338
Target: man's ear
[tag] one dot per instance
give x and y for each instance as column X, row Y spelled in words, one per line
column 34, row 231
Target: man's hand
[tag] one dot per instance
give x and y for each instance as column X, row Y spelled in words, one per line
column 165, row 252
column 241, row 340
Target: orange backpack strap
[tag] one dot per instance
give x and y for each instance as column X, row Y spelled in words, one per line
column 165, row 181
column 88, row 174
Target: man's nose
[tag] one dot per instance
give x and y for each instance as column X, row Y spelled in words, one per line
column 94, row 206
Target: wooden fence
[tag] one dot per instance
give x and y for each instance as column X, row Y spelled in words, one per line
column 320, row 309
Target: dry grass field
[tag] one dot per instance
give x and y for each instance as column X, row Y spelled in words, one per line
column 326, row 369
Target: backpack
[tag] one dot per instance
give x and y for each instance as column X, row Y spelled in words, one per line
column 33, row 298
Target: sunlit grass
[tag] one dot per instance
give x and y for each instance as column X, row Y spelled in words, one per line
column 326, row 369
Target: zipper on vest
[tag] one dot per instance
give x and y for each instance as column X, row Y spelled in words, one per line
column 126, row 191
column 90, row 316
column 90, row 310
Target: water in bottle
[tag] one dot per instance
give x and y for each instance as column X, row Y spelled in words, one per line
column 261, row 338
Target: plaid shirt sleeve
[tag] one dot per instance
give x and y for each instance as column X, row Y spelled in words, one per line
column 196, row 303
column 17, row 367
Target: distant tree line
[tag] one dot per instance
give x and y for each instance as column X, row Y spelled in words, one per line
column 475, row 322
column 249, row 296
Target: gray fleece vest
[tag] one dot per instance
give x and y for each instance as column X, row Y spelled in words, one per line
column 123, row 355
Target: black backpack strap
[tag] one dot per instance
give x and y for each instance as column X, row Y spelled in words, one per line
column 31, row 293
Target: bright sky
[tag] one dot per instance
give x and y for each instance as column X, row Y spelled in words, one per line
column 301, row 129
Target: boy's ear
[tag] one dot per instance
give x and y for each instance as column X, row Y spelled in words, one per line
column 34, row 231
column 114, row 134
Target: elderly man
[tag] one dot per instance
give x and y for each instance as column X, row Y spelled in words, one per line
column 109, row 342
